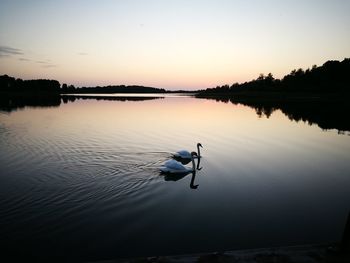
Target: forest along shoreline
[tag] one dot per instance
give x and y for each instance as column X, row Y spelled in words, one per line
column 319, row 95
column 329, row 82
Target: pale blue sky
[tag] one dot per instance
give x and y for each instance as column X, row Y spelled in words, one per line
column 170, row 44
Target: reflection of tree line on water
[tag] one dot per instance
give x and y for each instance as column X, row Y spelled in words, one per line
column 10, row 103
column 13, row 102
column 327, row 114
column 72, row 98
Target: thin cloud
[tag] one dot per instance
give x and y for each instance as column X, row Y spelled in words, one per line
column 24, row 59
column 6, row 51
column 46, row 63
column 49, row 66
column 82, row 53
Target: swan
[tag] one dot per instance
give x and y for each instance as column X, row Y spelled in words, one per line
column 174, row 167
column 183, row 154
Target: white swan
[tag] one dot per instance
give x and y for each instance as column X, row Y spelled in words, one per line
column 174, row 167
column 186, row 154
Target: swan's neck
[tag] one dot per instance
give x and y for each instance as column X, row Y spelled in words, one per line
column 199, row 152
column 193, row 164
column 198, row 162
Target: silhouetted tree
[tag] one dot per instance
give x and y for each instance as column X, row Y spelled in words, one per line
column 71, row 89
column 38, row 86
column 261, row 77
column 64, row 88
column 332, row 76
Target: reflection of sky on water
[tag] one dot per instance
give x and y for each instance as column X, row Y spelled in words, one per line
column 92, row 166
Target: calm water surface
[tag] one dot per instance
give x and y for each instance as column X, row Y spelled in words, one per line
column 81, row 181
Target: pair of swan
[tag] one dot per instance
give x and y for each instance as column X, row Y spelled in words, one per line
column 175, row 166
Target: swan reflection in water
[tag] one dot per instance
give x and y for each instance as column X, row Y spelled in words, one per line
column 174, row 170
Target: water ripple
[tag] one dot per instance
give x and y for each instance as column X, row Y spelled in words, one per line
column 61, row 179
column 90, row 177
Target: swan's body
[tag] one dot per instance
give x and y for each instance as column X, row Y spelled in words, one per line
column 175, row 167
column 186, row 154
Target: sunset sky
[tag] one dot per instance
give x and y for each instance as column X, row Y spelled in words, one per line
column 182, row 44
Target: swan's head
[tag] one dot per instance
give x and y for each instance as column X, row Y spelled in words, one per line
column 193, row 154
column 199, row 144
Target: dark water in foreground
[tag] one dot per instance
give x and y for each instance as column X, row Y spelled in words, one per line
column 81, row 180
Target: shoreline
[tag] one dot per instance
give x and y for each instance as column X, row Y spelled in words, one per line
column 311, row 253
column 277, row 96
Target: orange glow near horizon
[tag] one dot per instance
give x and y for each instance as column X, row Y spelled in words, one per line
column 171, row 45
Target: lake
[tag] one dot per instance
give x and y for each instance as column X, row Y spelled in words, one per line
column 80, row 180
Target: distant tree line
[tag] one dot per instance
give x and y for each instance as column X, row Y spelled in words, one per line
column 44, row 86
column 111, row 89
column 18, row 93
column 332, row 76
column 37, row 86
